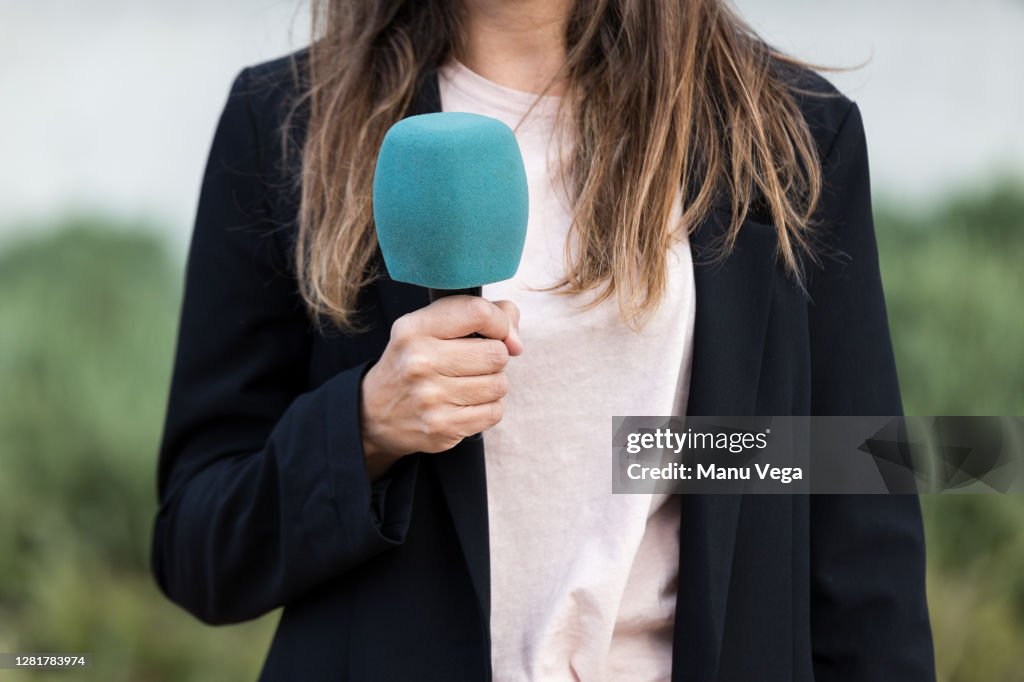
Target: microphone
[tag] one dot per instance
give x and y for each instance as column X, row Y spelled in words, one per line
column 450, row 202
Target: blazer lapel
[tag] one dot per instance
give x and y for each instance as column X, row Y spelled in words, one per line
column 733, row 302
column 460, row 471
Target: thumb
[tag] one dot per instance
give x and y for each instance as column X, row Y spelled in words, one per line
column 513, row 341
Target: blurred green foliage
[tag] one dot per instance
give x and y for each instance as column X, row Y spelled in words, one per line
column 87, row 327
column 954, row 280
column 86, row 341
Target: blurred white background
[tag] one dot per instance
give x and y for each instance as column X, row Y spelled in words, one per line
column 111, row 104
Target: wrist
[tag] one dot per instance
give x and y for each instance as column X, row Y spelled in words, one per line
column 378, row 461
column 378, row 458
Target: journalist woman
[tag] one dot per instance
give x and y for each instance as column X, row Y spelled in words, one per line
column 699, row 242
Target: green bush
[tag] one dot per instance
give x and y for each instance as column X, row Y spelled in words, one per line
column 954, row 284
column 88, row 326
column 89, row 316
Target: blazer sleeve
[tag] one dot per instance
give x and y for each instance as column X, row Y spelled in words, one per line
column 869, row 614
column 263, row 489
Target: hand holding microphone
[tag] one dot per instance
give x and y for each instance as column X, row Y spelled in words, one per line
column 432, row 387
column 450, row 205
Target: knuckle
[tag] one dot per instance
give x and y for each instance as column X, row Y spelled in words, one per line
column 415, row 365
column 402, row 328
column 499, row 385
column 479, row 310
column 431, row 424
column 428, row 394
column 495, row 412
column 497, row 353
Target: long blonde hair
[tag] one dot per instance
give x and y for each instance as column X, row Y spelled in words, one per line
column 666, row 95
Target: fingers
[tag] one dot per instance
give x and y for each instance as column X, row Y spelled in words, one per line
column 453, row 317
column 469, row 357
column 513, row 341
column 476, row 390
column 476, row 418
column 435, row 384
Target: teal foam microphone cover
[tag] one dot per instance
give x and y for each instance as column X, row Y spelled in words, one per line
column 450, row 201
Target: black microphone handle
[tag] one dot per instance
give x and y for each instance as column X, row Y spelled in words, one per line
column 468, row 291
column 441, row 293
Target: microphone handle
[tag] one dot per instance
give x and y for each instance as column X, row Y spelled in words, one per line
column 441, row 293
column 468, row 291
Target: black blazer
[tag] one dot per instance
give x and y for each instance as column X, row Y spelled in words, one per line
column 265, row 499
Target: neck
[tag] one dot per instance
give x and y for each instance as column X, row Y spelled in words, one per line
column 519, row 44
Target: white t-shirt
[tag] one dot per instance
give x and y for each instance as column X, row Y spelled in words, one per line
column 583, row 582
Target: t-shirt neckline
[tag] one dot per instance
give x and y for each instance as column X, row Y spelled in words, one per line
column 473, row 85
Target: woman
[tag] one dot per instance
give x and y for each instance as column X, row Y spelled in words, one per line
column 689, row 191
